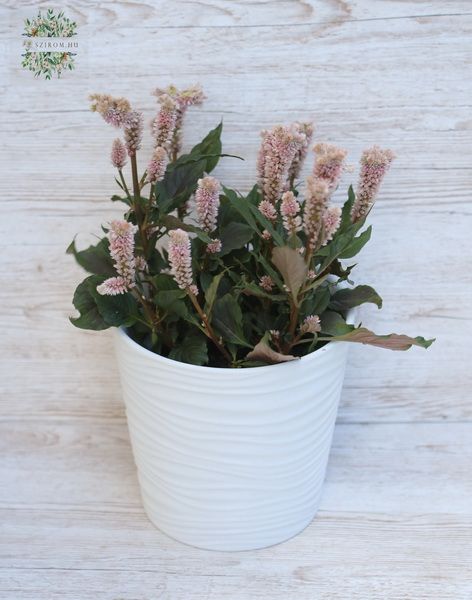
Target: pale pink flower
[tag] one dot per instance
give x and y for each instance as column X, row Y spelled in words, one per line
column 180, row 258
column 289, row 209
column 316, row 199
column 174, row 111
column 157, row 165
column 214, row 247
column 207, row 200
column 121, row 239
column 133, row 132
column 278, row 150
column 329, row 163
column 266, row 282
column 266, row 235
column 113, row 110
column 163, row 126
column 113, row 286
column 118, row 154
column 331, row 222
column 311, row 274
column 311, row 324
column 306, row 129
column 141, row 264
column 375, row 163
column 275, row 334
column 268, row 210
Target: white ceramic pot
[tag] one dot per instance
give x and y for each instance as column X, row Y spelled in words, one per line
column 230, row 459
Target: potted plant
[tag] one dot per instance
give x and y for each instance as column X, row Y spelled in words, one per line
column 234, row 313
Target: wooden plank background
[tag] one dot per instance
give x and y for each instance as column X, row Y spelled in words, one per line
column 396, row 518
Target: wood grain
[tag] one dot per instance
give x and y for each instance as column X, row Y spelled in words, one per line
column 396, row 520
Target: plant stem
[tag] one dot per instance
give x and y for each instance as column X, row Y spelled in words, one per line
column 208, row 330
column 137, row 205
column 123, row 183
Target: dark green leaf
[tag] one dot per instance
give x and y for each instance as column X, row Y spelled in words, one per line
column 210, row 293
column 192, row 349
column 178, row 185
column 95, row 259
column 172, row 222
column 334, row 324
column 84, row 302
column 234, row 236
column 357, row 244
column 350, row 297
column 116, row 310
column 227, row 320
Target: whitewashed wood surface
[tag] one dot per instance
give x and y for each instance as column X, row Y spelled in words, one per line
column 396, row 518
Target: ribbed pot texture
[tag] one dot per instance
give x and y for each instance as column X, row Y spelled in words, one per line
column 230, row 459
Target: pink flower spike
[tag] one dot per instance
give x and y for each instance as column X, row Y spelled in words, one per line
column 277, row 152
column 306, row 130
column 180, row 259
column 317, row 193
column 207, row 200
column 113, row 286
column 157, row 165
column 163, row 126
column 289, row 209
column 118, row 154
column 375, row 163
column 310, row 325
column 329, row 163
column 113, row 110
column 331, row 222
column 268, row 210
column 133, row 131
column 121, row 238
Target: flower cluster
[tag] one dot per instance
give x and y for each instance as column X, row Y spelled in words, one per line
column 280, row 147
column 201, row 273
column 207, row 200
column 121, row 240
column 167, row 125
column 180, row 259
column 375, row 163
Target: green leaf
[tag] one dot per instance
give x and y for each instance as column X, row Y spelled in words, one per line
column 95, row 259
column 234, row 236
column 266, row 224
column 210, row 293
column 84, row 302
column 118, row 310
column 292, row 267
column 346, row 211
column 241, row 206
column 350, row 297
column 172, row 222
column 210, row 145
column 178, row 185
column 392, row 341
column 316, row 303
column 357, row 244
column 334, row 324
column 227, row 320
column 167, row 298
column 192, row 349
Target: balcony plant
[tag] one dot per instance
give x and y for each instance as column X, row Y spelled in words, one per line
column 212, row 290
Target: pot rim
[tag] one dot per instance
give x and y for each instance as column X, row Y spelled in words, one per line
column 122, row 333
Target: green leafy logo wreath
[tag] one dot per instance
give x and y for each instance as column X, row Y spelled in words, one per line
column 48, row 25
